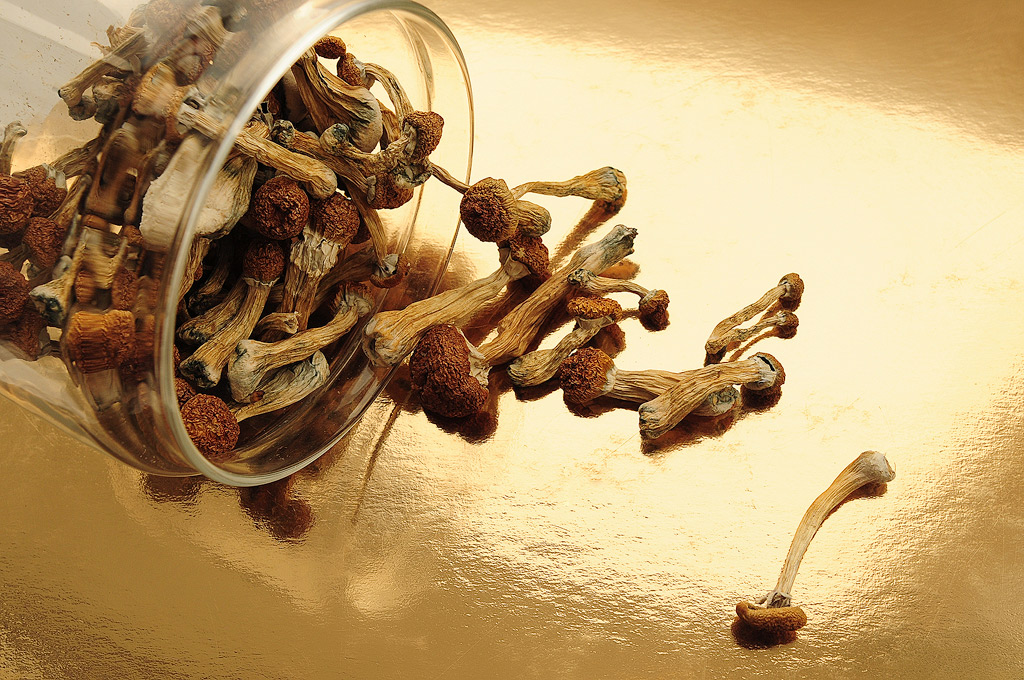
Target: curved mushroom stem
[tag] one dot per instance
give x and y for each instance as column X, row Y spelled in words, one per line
column 196, row 254
column 659, row 415
column 74, row 163
column 391, row 85
column 653, row 305
column 119, row 58
column 212, row 285
column 541, row 365
column 198, row 330
column 786, row 322
column 53, row 298
column 276, row 324
column 12, row 133
column 787, row 293
column 603, row 184
column 446, row 177
column 287, row 386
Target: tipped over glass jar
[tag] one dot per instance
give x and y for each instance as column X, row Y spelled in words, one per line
column 200, row 222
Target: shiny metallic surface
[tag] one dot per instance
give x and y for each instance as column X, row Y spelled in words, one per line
column 874, row 148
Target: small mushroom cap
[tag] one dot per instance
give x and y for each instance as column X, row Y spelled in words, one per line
column 210, row 424
column 16, row 204
column 24, row 331
column 330, row 47
column 280, row 208
column 124, row 289
column 787, row 324
column 531, row 251
column 45, row 240
column 183, row 390
column 440, row 369
column 654, row 310
column 393, row 277
column 85, row 286
column 488, row 209
column 336, row 217
column 99, row 341
column 428, row 127
column 584, row 375
column 13, row 292
column 263, row 261
column 350, row 71
column 593, row 307
column 390, row 192
column 771, row 619
column 794, row 291
column 45, row 191
column 779, row 373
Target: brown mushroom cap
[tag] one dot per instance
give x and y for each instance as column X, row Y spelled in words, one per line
column 531, row 251
column 45, row 192
column 24, row 331
column 263, row 261
column 584, row 375
column 133, row 235
column 654, row 310
column 429, row 126
column 336, row 217
column 378, row 279
column 13, row 292
column 210, row 424
column 488, row 209
column 771, row 619
column 45, row 240
column 787, row 326
column 349, row 71
column 330, row 47
column 280, row 208
column 99, row 341
column 593, row 307
column 440, row 370
column 124, row 289
column 183, row 390
column 16, row 204
column 390, row 192
column 85, row 286
column 791, row 298
column 362, row 234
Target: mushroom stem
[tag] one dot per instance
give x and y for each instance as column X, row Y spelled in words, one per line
column 12, row 133
column 212, row 285
column 286, row 387
column 787, row 293
column 391, row 85
column 198, row 330
column 446, row 177
column 53, row 298
column 604, row 184
column 520, row 326
column 661, row 414
column 653, row 305
column 786, row 322
column 196, row 254
column 74, row 163
column 283, row 323
column 119, row 58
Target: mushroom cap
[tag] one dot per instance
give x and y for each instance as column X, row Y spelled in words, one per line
column 593, row 307
column 13, row 292
column 16, row 204
column 210, row 424
column 45, row 192
column 362, row 234
column 124, row 289
column 183, row 390
column 390, row 192
column 381, row 279
column 330, row 47
column 264, row 261
column 794, row 291
column 440, row 370
column 771, row 619
column 531, row 251
column 428, row 126
column 584, row 375
column 336, row 217
column 777, row 369
column 97, row 341
column 654, row 310
column 45, row 240
column 24, row 331
column 787, row 324
column 349, row 71
column 133, row 235
column 165, row 17
column 85, row 286
column 280, row 208
column 488, row 209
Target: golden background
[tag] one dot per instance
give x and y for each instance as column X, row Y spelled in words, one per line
column 872, row 147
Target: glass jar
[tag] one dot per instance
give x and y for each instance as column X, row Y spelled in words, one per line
column 113, row 274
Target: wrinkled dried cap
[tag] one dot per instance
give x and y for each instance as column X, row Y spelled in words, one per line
column 45, row 239
column 183, row 390
column 788, row 324
column 337, row 218
column 13, row 292
column 794, row 291
column 210, row 424
column 778, row 374
column 263, row 261
column 350, row 71
column 390, row 191
column 280, row 208
column 654, row 310
column 593, row 307
column 440, row 370
column 488, row 209
column 584, row 375
column 43, row 183
column 531, row 251
column 124, row 289
column 24, row 331
column 99, row 341
column 772, row 619
column 16, row 204
column 392, row 277
column 330, row 47
column 165, row 17
column 428, row 127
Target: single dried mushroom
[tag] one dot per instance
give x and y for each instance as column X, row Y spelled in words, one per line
column 788, row 294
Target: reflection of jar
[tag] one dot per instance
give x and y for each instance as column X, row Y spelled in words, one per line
column 116, row 289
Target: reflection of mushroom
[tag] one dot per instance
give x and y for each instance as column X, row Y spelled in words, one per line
column 788, row 294
column 287, row 386
column 653, row 305
column 99, row 341
column 391, row 335
column 16, row 204
column 776, row 616
column 48, row 187
column 760, row 373
column 262, row 265
column 785, row 323
column 210, row 425
column 590, row 373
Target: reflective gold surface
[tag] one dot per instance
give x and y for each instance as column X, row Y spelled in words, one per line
column 873, row 147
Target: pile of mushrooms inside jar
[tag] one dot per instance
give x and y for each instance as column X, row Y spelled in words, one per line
column 291, row 251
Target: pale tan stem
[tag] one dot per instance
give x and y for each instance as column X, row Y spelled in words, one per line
column 391, row 85
column 214, row 283
column 357, row 266
column 12, row 133
column 200, row 329
column 716, row 344
column 311, row 257
column 277, row 324
column 74, row 162
column 306, row 143
column 604, row 184
column 870, row 467
column 286, row 387
column 725, row 326
column 447, row 178
column 373, row 223
column 205, row 365
column 520, row 326
column 587, row 281
column 541, row 365
column 196, row 253
column 331, row 100
column 118, row 59
column 334, row 142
